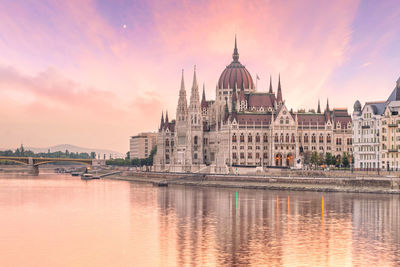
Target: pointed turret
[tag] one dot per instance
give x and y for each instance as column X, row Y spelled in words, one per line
column 327, row 105
column 194, row 105
column 166, row 117
column 182, row 109
column 319, row 107
column 162, row 120
column 270, row 84
column 279, row 94
column 203, row 98
column 235, row 55
column 242, row 97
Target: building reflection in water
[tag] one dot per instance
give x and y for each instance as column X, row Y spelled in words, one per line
column 214, row 226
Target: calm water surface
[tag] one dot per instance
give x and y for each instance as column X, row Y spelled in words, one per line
column 59, row 220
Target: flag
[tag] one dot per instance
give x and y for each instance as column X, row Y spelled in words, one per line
column 257, row 77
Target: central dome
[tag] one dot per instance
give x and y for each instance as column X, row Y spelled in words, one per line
column 235, row 73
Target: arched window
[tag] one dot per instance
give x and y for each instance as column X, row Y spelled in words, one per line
column 306, row 138
column 241, row 138
column 195, row 156
column 329, row 139
column 167, row 142
column 287, row 138
column 281, row 138
column 257, row 138
column 321, row 138
column 313, row 138
column 234, row 138
column 287, row 120
column 195, row 140
column 276, row 138
column 265, row 138
column 293, row 140
column 249, row 138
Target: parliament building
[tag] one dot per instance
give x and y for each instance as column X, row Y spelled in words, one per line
column 245, row 128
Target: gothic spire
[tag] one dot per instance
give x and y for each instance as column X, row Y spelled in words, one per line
column 194, row 78
column 166, row 116
column 270, row 84
column 235, row 55
column 162, row 120
column 327, row 104
column 182, row 83
column 203, row 98
column 319, row 107
column 279, row 94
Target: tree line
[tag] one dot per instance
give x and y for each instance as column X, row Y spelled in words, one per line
column 134, row 162
column 319, row 159
column 21, row 152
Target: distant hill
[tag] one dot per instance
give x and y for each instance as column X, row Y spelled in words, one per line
column 72, row 148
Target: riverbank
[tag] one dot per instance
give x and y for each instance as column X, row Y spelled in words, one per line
column 383, row 185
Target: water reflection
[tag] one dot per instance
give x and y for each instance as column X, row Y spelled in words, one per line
column 230, row 227
column 57, row 220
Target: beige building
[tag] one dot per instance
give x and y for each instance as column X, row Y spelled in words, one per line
column 142, row 144
column 390, row 130
column 243, row 127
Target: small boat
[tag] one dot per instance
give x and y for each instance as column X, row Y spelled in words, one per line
column 75, row 173
column 87, row 176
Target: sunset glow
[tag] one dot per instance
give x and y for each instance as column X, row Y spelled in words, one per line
column 93, row 73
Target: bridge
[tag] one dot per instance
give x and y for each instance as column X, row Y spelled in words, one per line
column 34, row 163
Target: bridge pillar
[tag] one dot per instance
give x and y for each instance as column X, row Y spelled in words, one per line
column 33, row 169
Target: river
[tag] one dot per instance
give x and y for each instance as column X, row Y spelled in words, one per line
column 59, row 220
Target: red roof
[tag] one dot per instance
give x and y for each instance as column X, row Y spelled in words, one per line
column 257, row 119
column 310, row 119
column 235, row 73
column 261, row 100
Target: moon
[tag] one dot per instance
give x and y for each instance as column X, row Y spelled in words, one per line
column 124, row 26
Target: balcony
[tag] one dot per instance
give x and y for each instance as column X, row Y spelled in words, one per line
column 393, row 150
column 365, row 127
column 392, row 125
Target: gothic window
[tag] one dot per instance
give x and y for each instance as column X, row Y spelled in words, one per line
column 167, row 142
column 281, row 138
column 257, row 138
column 257, row 155
column 172, row 143
column 249, row 138
column 195, row 156
column 234, row 138
column 195, row 140
column 306, row 138
column 328, row 139
column 249, row 155
column 321, row 138
column 265, row 138
column 313, row 138
column 276, row 138
column 287, row 138
column 338, row 141
column 241, row 138
column 293, row 140
column 241, row 155
column 234, row 155
column 265, row 155
column 287, row 120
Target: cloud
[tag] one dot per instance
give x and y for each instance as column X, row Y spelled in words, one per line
column 366, row 64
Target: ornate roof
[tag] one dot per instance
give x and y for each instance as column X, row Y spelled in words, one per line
column 235, row 73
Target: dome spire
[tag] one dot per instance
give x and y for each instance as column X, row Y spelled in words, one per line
column 235, row 55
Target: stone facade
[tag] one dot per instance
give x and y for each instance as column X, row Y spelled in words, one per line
column 377, row 134
column 243, row 127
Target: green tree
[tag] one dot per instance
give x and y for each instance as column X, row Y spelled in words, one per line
column 345, row 159
column 314, row 158
column 329, row 159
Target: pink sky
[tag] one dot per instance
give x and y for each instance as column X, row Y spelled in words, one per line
column 70, row 72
